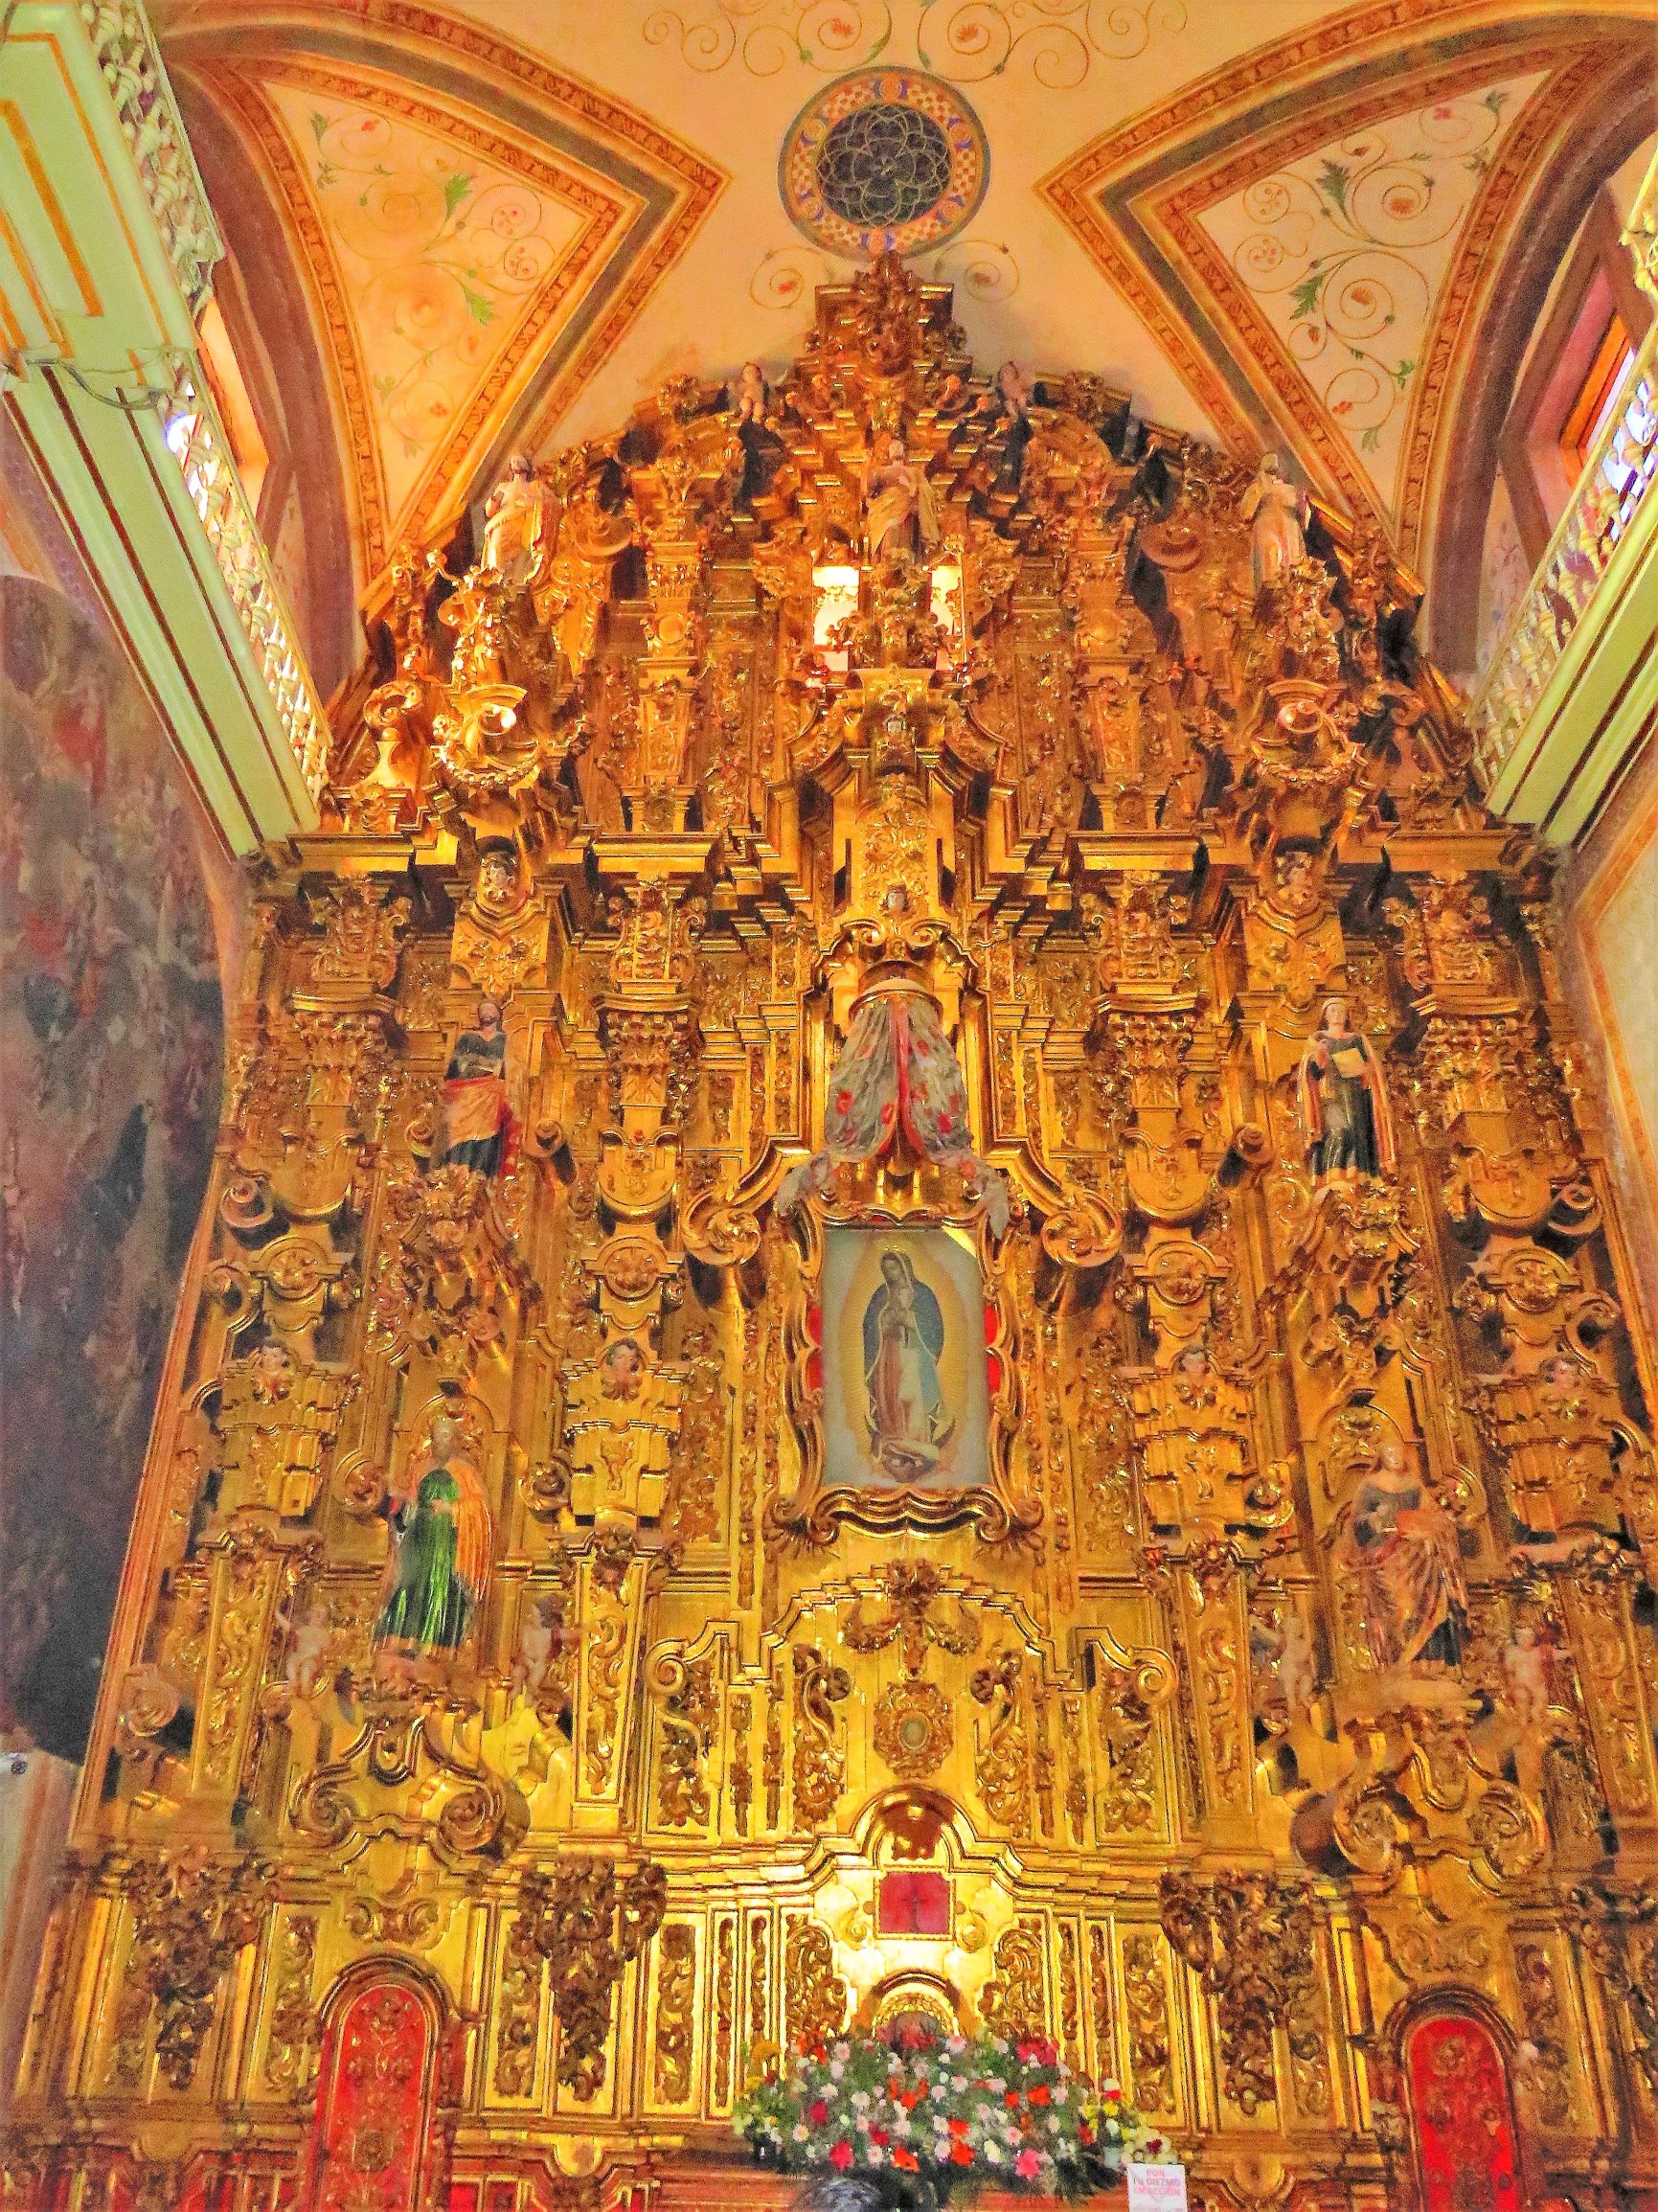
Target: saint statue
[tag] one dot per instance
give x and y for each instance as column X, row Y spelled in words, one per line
column 900, row 515
column 1343, row 1104
column 1400, row 1548
column 477, row 1128
column 513, row 518
column 440, row 1566
column 904, row 1344
column 1278, row 512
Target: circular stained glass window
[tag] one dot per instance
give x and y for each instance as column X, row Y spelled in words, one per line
column 883, row 165
column 885, row 160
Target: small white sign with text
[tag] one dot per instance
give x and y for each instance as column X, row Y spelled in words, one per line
column 1157, row 2189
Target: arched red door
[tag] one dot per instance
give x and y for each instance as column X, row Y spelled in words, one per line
column 372, row 2139
column 1462, row 2117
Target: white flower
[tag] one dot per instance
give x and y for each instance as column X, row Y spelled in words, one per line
column 992, row 2153
column 956, row 2045
column 842, row 2052
column 861, row 2100
column 863, row 2123
column 837, row 2068
column 873, row 2154
column 801, row 2132
column 1053, row 2125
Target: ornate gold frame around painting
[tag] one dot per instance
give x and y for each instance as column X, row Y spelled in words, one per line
column 810, row 1513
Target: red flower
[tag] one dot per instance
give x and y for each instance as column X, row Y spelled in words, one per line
column 841, row 2157
column 1012, row 2100
column 880, row 2137
column 1039, row 2094
column 1084, row 2133
column 843, row 1101
column 817, row 2113
column 947, row 1123
column 958, row 2127
column 906, row 2161
column 961, row 2153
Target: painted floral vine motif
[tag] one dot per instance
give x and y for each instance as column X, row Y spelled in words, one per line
column 964, row 40
column 1345, row 251
column 443, row 252
column 1060, row 40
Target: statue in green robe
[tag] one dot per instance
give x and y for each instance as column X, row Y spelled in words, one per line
column 440, row 1564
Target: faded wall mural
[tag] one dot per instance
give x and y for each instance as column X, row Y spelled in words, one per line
column 110, row 1048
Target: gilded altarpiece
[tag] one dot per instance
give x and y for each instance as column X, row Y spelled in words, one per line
column 902, row 1191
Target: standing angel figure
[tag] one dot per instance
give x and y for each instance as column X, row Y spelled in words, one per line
column 439, row 1565
column 1344, row 1103
column 903, row 1342
column 900, row 512
column 1278, row 511
column 515, row 516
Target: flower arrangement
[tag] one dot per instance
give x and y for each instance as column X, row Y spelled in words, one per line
column 924, row 2113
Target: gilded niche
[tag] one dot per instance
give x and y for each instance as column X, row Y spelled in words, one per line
column 905, row 1314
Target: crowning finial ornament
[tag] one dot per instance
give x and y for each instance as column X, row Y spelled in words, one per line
column 903, row 1183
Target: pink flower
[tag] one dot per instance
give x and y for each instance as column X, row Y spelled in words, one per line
column 841, row 2157
column 1028, row 2165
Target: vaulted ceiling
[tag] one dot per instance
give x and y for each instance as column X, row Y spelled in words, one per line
column 466, row 228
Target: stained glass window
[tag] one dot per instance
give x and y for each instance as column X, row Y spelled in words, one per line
column 883, row 165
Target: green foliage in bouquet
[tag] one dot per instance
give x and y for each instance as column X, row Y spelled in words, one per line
column 942, row 2112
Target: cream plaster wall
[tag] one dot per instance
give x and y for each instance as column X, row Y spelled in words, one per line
column 1609, row 909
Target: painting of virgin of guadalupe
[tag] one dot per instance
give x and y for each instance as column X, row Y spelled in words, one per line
column 906, row 1392
column 903, row 1342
